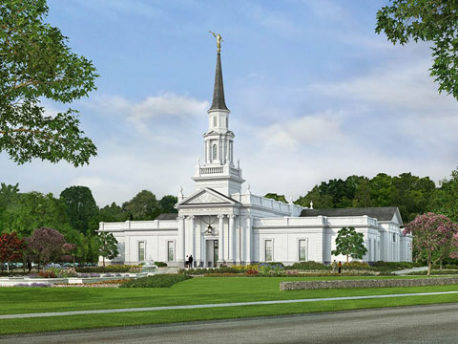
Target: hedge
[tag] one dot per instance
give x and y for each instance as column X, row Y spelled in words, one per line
column 156, row 281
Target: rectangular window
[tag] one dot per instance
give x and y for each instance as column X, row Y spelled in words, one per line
column 170, row 251
column 268, row 250
column 302, row 250
column 394, row 237
column 141, row 251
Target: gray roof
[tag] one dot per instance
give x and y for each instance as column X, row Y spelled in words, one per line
column 218, row 102
column 380, row 213
column 167, row 216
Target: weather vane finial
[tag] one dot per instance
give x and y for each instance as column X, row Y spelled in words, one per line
column 219, row 39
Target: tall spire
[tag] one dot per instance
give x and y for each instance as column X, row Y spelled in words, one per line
column 218, row 102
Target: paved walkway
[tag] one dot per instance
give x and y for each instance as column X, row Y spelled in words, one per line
column 408, row 271
column 213, row 305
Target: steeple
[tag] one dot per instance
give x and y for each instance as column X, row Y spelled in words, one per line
column 218, row 102
column 218, row 170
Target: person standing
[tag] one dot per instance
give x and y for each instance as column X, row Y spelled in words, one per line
column 186, row 262
column 340, row 267
column 191, row 259
column 334, row 266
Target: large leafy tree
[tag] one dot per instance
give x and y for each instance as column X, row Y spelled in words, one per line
column 112, row 213
column 350, row 243
column 45, row 245
column 81, row 209
column 36, row 63
column 11, row 248
column 433, row 236
column 444, row 200
column 167, row 204
column 144, row 206
column 108, row 246
column 434, row 21
column 34, row 210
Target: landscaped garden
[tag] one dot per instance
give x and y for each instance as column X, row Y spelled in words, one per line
column 197, row 287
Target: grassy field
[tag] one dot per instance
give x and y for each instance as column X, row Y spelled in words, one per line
column 194, row 291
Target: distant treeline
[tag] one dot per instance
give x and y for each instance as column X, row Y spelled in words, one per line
column 411, row 194
column 75, row 214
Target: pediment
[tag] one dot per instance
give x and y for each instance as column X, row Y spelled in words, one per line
column 207, row 197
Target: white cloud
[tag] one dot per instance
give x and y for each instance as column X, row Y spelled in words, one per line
column 154, row 107
column 406, row 86
column 320, row 128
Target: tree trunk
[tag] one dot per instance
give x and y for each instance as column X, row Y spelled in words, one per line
column 103, row 261
column 440, row 264
column 429, row 263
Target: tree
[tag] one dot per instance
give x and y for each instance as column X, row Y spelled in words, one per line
column 443, row 201
column 167, row 204
column 112, row 213
column 36, row 63
column 69, row 251
column 45, row 244
column 108, row 246
column 350, row 243
column 427, row 20
column 80, row 207
column 143, row 206
column 11, row 248
column 34, row 210
column 276, row 197
column 433, row 235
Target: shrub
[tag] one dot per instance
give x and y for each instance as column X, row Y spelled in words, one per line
column 62, row 273
column 395, row 265
column 355, row 265
column 271, row 268
column 109, row 268
column 47, row 274
column 251, row 272
column 308, row 266
column 156, row 281
column 160, row 264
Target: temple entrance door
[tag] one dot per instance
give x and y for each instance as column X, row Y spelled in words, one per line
column 211, row 253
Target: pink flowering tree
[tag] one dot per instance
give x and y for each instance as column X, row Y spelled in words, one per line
column 45, row 245
column 433, row 236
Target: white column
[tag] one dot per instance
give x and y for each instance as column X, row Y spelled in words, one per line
column 248, row 245
column 180, row 240
column 239, row 240
column 232, row 238
column 221, row 238
column 192, row 237
column 198, row 246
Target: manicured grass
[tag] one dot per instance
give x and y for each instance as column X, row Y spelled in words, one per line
column 11, row 326
column 194, row 291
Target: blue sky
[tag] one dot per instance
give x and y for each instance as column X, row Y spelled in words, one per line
column 314, row 94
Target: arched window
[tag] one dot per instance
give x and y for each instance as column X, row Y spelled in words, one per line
column 214, row 121
column 214, row 152
column 227, row 122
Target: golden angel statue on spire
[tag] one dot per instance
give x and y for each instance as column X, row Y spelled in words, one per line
column 219, row 39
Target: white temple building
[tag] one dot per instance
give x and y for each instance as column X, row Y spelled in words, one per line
column 220, row 224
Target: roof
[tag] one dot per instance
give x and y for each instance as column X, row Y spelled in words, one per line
column 218, row 102
column 380, row 213
column 167, row 216
column 223, row 195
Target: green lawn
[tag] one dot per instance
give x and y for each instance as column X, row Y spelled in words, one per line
column 194, row 291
